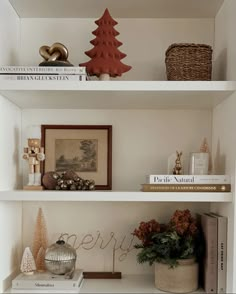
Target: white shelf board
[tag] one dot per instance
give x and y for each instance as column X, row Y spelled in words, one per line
column 114, row 196
column 128, row 284
column 116, row 94
column 118, row 9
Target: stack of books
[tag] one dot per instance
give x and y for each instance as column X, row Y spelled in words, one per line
column 214, row 265
column 47, row 283
column 187, row 183
column 43, row 73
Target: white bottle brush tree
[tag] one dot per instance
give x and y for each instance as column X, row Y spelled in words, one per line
column 27, row 263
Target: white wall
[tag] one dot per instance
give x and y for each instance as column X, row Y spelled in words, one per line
column 142, row 142
column 224, row 120
column 142, row 139
column 83, row 218
column 10, row 138
column 144, row 40
column 9, row 34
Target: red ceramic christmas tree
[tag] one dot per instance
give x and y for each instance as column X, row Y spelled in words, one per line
column 105, row 56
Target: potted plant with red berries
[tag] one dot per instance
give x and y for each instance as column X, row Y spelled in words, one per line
column 175, row 249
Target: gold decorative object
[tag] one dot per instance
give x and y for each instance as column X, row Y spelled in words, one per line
column 66, row 180
column 60, row 258
column 177, row 170
column 56, row 55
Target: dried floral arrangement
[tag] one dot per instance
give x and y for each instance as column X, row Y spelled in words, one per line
column 180, row 238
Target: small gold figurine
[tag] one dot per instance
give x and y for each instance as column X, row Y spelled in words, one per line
column 34, row 154
column 56, row 55
column 177, row 170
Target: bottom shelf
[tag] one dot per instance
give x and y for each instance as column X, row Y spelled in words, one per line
column 128, row 284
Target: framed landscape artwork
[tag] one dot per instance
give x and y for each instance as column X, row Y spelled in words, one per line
column 86, row 149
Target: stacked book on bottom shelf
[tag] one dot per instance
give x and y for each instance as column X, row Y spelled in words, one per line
column 187, row 183
column 214, row 229
column 47, row 283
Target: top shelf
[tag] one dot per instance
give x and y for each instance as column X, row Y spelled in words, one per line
column 116, row 94
column 118, row 9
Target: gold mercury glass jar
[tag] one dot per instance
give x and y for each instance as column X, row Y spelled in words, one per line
column 60, row 258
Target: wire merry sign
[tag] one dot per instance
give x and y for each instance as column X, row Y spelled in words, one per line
column 90, row 241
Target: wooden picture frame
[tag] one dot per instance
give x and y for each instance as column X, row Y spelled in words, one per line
column 87, row 149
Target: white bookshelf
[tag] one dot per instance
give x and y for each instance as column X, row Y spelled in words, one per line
column 145, row 111
column 117, row 94
column 114, row 196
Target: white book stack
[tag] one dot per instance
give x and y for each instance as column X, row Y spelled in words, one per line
column 47, row 283
column 188, row 179
column 43, row 73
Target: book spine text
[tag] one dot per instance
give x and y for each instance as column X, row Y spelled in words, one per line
column 187, row 179
column 44, row 77
column 186, row 188
column 42, row 70
column 209, row 227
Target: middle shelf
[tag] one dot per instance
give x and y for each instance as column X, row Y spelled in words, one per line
column 115, row 196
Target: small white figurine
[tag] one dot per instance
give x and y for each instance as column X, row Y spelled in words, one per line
column 27, row 263
column 34, row 154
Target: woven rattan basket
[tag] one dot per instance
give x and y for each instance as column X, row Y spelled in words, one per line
column 189, row 62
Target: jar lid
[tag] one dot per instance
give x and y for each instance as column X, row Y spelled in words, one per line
column 60, row 251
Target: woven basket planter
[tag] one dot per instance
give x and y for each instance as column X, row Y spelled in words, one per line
column 189, row 62
column 181, row 279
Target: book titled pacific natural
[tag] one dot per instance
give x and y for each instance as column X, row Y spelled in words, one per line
column 47, row 281
column 188, row 179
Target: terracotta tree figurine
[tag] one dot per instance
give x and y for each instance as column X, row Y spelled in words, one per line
column 105, row 56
